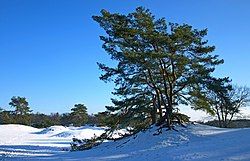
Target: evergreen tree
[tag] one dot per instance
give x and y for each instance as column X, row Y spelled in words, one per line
column 40, row 120
column 21, row 105
column 92, row 120
column 158, row 65
column 65, row 119
column 79, row 115
column 212, row 97
column 6, row 117
column 55, row 118
column 22, row 110
column 219, row 98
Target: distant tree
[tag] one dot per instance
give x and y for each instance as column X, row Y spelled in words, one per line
column 213, row 95
column 55, row 118
column 92, row 119
column 1, row 115
column 104, row 119
column 65, row 119
column 22, row 110
column 40, row 120
column 159, row 64
column 21, row 105
column 221, row 99
column 6, row 117
column 79, row 115
column 238, row 97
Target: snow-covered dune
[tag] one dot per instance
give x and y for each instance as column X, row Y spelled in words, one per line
column 56, row 136
column 194, row 143
column 24, row 141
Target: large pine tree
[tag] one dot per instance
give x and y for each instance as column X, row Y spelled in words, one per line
column 159, row 64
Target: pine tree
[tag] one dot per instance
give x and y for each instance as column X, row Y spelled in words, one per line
column 21, row 105
column 219, row 98
column 22, row 110
column 158, row 65
column 79, row 115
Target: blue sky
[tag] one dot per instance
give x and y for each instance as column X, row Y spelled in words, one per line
column 49, row 48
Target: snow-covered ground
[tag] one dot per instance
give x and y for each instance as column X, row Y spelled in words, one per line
column 194, row 143
column 19, row 142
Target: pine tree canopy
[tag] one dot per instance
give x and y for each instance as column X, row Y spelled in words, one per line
column 79, row 115
column 21, row 105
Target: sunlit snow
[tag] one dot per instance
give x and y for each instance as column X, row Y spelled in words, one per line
column 194, row 143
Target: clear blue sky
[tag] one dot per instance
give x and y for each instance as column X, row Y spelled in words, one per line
column 49, row 48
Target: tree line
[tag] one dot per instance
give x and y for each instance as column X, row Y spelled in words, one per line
column 22, row 114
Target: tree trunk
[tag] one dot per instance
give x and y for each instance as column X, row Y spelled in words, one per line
column 218, row 115
column 154, row 111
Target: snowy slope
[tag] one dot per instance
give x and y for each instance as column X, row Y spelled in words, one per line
column 197, row 142
column 22, row 141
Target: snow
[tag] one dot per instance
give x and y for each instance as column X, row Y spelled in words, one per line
column 194, row 143
column 19, row 141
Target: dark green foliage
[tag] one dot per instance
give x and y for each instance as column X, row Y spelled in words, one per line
column 21, row 114
column 92, row 120
column 211, row 95
column 55, row 118
column 159, row 64
column 85, row 144
column 182, row 117
column 10, row 117
column 219, row 98
column 233, row 101
column 6, row 117
column 103, row 118
column 22, row 119
column 40, row 120
column 21, row 105
column 79, row 115
column 65, row 119
column 37, row 120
